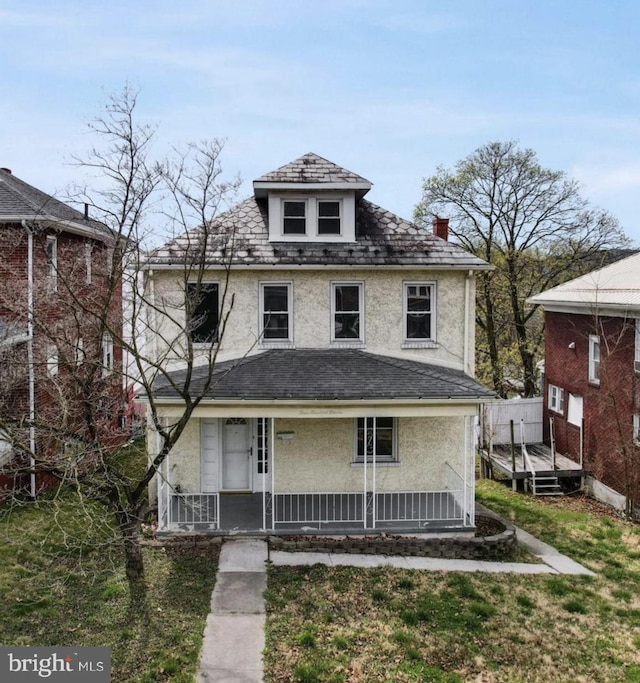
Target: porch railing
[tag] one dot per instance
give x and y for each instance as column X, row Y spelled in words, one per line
column 462, row 493
column 189, row 509
column 317, row 508
column 418, row 507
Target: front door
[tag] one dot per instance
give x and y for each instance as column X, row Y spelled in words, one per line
column 236, row 455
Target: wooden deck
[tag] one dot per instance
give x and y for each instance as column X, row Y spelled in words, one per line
column 501, row 460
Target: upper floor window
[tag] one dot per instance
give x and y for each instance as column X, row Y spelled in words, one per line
column 205, row 312
column 52, row 360
column 51, row 252
column 347, row 304
column 556, row 399
column 329, row 222
column 325, row 217
column 419, row 311
column 107, row 354
column 88, row 249
column 294, row 217
column 594, row 359
column 275, row 312
column 375, row 438
column 80, row 352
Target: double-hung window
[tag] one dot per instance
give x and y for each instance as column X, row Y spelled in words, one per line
column 556, row 399
column 347, row 318
column 329, row 217
column 294, row 217
column 375, row 439
column 51, row 253
column 88, row 252
column 52, row 360
column 636, row 359
column 419, row 312
column 594, row 359
column 275, row 313
column 636, row 430
column 203, row 303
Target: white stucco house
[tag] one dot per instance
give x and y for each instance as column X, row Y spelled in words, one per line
column 343, row 395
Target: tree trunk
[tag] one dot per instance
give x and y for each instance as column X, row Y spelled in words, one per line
column 134, row 564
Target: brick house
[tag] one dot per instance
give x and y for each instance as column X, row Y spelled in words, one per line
column 591, row 375
column 55, row 276
column 343, row 394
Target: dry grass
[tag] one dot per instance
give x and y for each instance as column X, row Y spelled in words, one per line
column 345, row 624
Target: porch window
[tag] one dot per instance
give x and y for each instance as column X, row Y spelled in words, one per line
column 263, row 445
column 375, row 436
column 347, row 312
column 275, row 315
column 556, row 399
column 205, row 312
column 419, row 307
column 594, row 359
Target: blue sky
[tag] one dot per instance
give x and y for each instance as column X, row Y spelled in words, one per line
column 388, row 89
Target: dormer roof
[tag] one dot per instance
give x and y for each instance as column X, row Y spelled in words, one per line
column 310, row 172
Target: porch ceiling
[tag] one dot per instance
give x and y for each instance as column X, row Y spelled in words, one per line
column 327, row 375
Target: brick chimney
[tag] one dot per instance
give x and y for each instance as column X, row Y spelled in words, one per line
column 441, row 228
column 6, row 170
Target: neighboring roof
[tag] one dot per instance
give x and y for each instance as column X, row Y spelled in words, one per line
column 616, row 286
column 311, row 169
column 382, row 239
column 21, row 201
column 329, row 374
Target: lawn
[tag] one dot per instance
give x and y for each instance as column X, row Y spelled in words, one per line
column 62, row 583
column 344, row 624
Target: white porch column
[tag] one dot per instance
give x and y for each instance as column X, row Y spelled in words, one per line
column 272, row 463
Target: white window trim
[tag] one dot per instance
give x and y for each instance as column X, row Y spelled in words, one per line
column 347, row 342
column 207, row 345
column 636, row 358
column 636, row 430
column 81, row 356
column 412, row 343
column 594, row 340
column 360, row 462
column 555, row 400
column 52, row 263
column 308, row 208
column 107, row 355
column 276, row 343
column 329, row 235
column 347, row 217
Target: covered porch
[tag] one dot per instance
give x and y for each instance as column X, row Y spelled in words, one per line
column 312, row 454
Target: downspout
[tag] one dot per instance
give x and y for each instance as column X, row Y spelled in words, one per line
column 30, row 363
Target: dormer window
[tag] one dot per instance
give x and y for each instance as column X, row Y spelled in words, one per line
column 294, row 217
column 325, row 217
column 328, row 217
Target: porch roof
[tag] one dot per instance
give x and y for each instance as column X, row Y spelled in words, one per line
column 327, row 375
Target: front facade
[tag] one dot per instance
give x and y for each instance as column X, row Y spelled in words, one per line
column 592, row 374
column 342, row 396
column 54, row 270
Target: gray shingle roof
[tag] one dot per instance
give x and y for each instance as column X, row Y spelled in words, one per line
column 329, row 374
column 311, row 168
column 21, row 201
column 382, row 239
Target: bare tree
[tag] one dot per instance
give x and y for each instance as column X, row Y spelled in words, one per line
column 532, row 224
column 98, row 360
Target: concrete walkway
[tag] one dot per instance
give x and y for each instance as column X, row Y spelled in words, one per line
column 234, row 634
